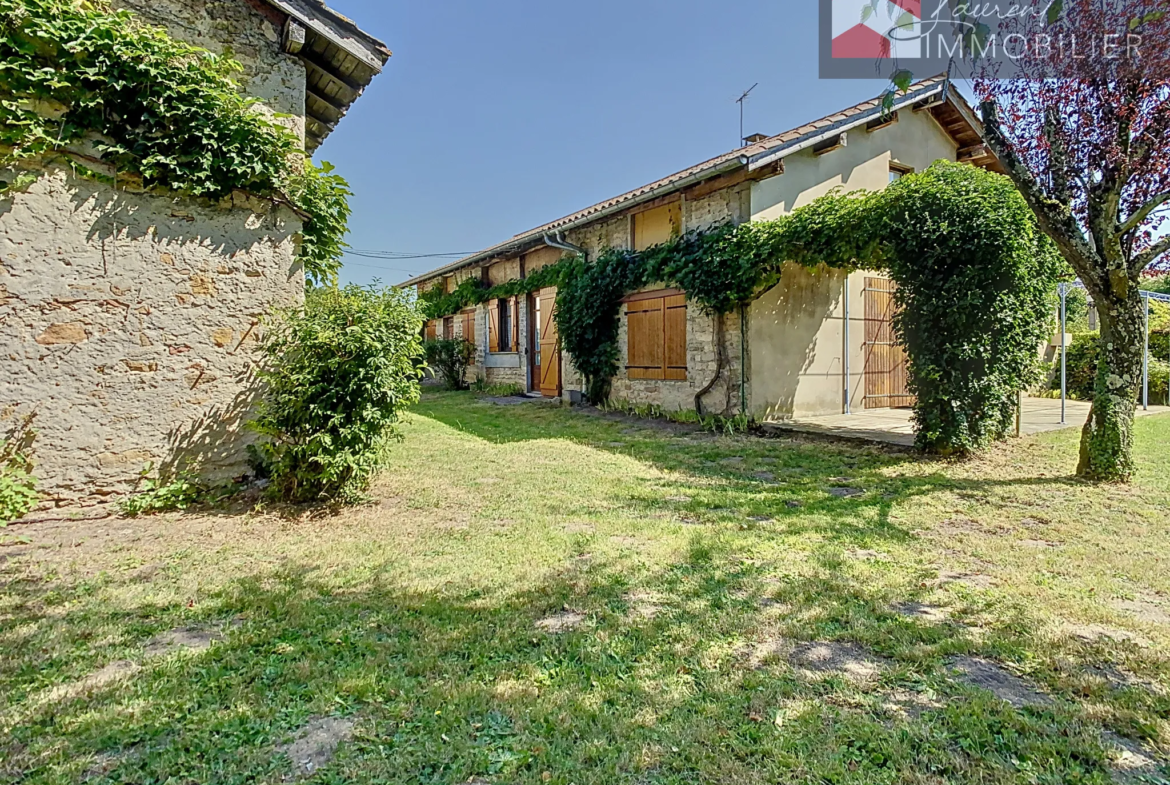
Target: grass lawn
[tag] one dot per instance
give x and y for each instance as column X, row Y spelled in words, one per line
column 543, row 595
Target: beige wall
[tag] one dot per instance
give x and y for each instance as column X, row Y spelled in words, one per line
column 797, row 330
column 129, row 328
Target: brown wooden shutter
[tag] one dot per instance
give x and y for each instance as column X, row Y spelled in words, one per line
column 550, row 350
column 644, row 325
column 675, row 338
column 514, row 305
column 432, row 330
column 493, row 309
column 656, row 330
column 469, row 326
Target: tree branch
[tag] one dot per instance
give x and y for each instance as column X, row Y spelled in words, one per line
column 1143, row 212
column 1056, row 220
column 1150, row 255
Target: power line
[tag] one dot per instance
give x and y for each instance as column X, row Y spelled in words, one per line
column 403, row 254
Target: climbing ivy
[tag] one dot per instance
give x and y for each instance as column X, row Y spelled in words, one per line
column 976, row 285
column 123, row 101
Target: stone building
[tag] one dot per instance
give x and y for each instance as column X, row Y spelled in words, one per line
column 129, row 320
column 820, row 342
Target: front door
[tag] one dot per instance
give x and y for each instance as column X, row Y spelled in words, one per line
column 547, row 357
column 886, row 376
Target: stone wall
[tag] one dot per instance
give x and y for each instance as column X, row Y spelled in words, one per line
column 250, row 32
column 128, row 328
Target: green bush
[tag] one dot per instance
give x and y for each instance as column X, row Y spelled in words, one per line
column 164, row 495
column 18, row 488
column 339, row 373
column 450, row 358
column 1081, row 369
column 976, row 294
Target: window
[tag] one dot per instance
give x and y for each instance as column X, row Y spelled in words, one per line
column 656, row 341
column 657, row 226
column 898, row 170
column 502, row 323
column 449, row 328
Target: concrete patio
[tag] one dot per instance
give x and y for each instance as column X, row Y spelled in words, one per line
column 893, row 426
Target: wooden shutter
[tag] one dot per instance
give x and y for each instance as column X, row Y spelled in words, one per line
column 645, row 324
column 493, row 321
column 656, row 329
column 514, row 308
column 432, row 330
column 469, row 326
column 449, row 327
column 675, row 328
column 550, row 353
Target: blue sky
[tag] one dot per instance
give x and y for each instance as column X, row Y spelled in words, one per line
column 493, row 118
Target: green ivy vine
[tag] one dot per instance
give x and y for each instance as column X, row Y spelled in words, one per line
column 104, row 92
column 976, row 288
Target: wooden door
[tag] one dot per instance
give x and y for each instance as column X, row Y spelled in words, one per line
column 549, row 343
column 886, row 376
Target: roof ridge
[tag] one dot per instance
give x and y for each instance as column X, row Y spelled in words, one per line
column 740, row 152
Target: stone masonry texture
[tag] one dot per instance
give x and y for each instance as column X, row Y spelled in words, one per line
column 129, row 322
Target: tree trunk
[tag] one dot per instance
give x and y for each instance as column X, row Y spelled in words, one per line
column 1107, row 440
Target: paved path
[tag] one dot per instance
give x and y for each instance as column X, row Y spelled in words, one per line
column 893, row 426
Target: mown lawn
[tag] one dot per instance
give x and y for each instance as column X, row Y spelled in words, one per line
column 552, row 596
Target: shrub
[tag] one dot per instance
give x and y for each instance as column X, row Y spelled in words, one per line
column 339, row 374
column 1081, row 368
column 976, row 294
column 18, row 488
column 164, row 495
column 450, row 358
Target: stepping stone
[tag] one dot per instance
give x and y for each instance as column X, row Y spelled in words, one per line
column 1095, row 633
column 315, row 745
column 986, row 675
column 765, row 476
column 678, row 499
column 566, row 621
column 846, row 493
column 825, row 658
column 792, row 504
column 193, row 639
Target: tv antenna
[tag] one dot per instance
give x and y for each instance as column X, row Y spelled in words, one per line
column 741, row 101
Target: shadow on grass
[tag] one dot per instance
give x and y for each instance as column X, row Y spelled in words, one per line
column 844, row 491
column 648, row 682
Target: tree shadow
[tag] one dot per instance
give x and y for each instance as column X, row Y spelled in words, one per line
column 653, row 679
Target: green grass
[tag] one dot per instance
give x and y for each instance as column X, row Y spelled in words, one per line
column 691, row 572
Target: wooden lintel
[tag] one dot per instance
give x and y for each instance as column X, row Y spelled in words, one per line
column 973, row 152
column 929, row 103
column 881, row 122
column 829, row 145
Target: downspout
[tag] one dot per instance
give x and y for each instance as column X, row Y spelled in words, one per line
column 558, row 241
column 845, row 357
